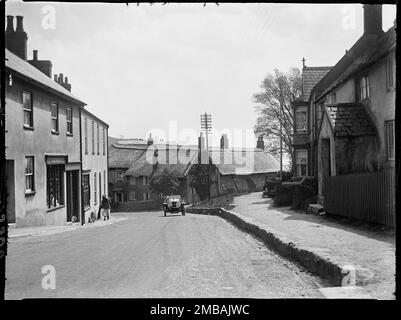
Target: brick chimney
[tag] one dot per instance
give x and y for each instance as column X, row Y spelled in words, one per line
column 224, row 141
column 260, row 144
column 62, row 81
column 372, row 18
column 43, row 65
column 150, row 139
column 16, row 40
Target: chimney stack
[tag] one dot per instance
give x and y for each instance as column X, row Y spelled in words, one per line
column 55, row 78
column 43, row 65
column 20, row 27
column 10, row 24
column 260, row 144
column 224, row 141
column 16, row 41
column 150, row 139
column 372, row 18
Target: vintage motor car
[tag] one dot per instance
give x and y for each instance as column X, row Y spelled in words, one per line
column 174, row 204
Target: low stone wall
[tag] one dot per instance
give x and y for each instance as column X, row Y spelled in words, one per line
column 138, row 206
column 309, row 259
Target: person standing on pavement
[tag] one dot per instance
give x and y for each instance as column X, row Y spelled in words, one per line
column 106, row 207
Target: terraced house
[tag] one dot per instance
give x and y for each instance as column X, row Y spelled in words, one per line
column 43, row 141
column 42, row 138
column 94, row 147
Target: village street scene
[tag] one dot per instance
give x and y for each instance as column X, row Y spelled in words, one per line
column 172, row 151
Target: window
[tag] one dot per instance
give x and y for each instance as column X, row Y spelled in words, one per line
column 28, row 110
column 93, row 137
column 55, row 190
column 333, row 98
column 69, row 120
column 132, row 195
column 146, row 196
column 390, row 139
column 86, row 134
column 300, row 119
column 301, row 160
column 29, row 174
column 54, row 111
column 86, row 190
column 94, row 188
column 390, row 71
column 364, row 88
column 133, row 180
column 145, row 180
column 119, row 176
column 97, row 137
column 104, row 141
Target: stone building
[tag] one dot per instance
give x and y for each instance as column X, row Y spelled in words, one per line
column 357, row 103
column 94, row 163
column 42, row 138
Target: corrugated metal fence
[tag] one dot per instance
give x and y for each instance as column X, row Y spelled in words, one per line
column 366, row 196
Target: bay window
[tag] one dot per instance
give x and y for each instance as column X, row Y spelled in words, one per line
column 301, row 119
column 301, row 162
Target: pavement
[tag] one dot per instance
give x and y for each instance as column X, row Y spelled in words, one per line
column 145, row 255
column 37, row 231
column 370, row 253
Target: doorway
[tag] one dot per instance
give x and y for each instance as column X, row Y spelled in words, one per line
column 72, row 196
column 10, row 191
column 118, row 197
column 325, row 159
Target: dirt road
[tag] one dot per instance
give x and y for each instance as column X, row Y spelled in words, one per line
column 149, row 255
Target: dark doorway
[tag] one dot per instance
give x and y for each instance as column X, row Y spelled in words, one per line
column 10, row 191
column 119, row 197
column 72, row 196
column 325, row 158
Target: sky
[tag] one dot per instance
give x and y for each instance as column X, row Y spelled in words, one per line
column 155, row 68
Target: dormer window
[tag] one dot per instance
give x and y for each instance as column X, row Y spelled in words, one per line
column 300, row 119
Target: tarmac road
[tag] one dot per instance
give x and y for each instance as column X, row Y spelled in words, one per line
column 149, row 255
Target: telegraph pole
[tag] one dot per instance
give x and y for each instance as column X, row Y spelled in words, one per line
column 281, row 138
column 206, row 125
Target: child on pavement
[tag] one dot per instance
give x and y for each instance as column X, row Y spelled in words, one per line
column 105, row 207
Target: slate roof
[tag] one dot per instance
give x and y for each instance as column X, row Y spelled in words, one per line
column 368, row 57
column 244, row 161
column 310, row 77
column 349, row 119
column 25, row 69
column 123, row 157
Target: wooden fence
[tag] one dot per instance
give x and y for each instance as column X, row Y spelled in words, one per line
column 366, row 196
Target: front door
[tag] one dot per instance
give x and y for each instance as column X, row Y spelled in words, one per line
column 72, row 195
column 325, row 158
column 119, row 197
column 10, row 191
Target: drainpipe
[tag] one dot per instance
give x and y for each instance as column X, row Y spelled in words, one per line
column 80, row 156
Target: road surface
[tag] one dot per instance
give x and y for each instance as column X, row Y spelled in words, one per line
column 149, row 255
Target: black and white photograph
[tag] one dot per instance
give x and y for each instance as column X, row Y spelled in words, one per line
column 198, row 150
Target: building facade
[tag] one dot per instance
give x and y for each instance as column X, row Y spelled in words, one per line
column 42, row 139
column 94, row 163
column 357, row 130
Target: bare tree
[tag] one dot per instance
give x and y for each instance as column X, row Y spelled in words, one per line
column 279, row 90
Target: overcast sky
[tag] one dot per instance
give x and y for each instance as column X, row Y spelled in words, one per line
column 138, row 67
